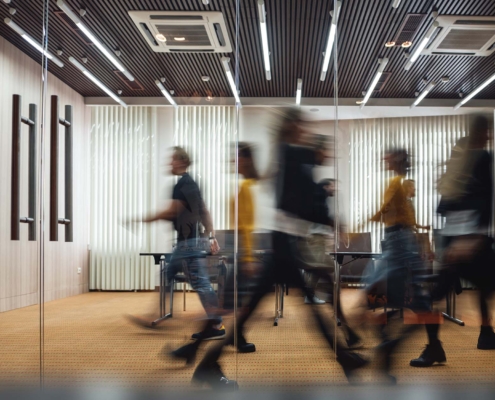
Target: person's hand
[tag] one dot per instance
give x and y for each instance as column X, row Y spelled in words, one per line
column 214, row 247
column 131, row 224
column 426, row 227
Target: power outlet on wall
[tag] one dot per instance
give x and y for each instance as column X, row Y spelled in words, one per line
column 79, row 270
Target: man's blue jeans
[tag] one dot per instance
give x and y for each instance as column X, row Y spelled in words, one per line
column 190, row 256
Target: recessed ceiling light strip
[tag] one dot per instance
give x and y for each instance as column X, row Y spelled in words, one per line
column 85, row 71
column 383, row 63
column 331, row 39
column 475, row 92
column 421, row 45
column 396, row 3
column 33, row 42
column 166, row 93
column 230, row 78
column 423, row 94
column 299, row 92
column 107, row 53
column 264, row 38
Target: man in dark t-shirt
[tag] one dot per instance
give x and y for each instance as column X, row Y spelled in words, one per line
column 189, row 214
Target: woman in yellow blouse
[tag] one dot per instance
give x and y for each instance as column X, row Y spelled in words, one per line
column 245, row 226
column 245, row 220
column 402, row 263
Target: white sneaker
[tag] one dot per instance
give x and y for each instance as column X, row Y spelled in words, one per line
column 316, row 300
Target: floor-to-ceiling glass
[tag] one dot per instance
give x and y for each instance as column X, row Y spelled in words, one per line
column 24, row 58
column 140, row 244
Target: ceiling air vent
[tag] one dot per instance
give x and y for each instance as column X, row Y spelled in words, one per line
column 72, row 26
column 463, row 35
column 408, row 29
column 178, row 31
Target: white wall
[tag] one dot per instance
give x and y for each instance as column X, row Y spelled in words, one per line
column 19, row 260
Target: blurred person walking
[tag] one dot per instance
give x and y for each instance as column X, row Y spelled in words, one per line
column 189, row 215
column 402, row 266
column 300, row 202
column 467, row 205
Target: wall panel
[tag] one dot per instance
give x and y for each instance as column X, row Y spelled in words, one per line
column 19, row 274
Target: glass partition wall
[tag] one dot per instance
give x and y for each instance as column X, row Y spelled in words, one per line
column 141, row 214
column 25, row 56
column 153, row 192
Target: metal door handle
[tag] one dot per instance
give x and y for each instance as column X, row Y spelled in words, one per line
column 55, row 120
column 16, row 219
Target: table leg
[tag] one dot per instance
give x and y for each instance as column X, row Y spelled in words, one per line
column 163, row 294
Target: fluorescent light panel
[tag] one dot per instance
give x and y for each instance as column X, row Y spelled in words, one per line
column 91, row 37
column 85, row 71
column 298, row 92
column 166, row 93
column 331, row 39
column 383, row 64
column 475, row 92
column 422, row 45
column 396, row 3
column 230, row 78
column 33, row 42
column 423, row 94
column 264, row 38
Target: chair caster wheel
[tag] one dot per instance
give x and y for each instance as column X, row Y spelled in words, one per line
column 275, row 324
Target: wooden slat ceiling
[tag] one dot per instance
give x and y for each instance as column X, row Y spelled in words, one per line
column 297, row 33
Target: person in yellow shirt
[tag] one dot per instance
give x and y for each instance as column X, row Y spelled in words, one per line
column 401, row 262
column 410, row 189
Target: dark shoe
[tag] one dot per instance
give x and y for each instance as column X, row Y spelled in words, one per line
column 353, row 340
column 385, row 350
column 486, row 340
column 210, row 334
column 245, row 347
column 433, row 353
column 213, row 376
column 187, row 353
column 350, row 362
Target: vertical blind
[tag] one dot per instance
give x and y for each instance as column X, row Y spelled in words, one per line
column 429, row 141
column 208, row 133
column 122, row 171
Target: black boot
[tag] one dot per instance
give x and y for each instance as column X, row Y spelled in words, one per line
column 486, row 340
column 433, row 353
column 353, row 340
column 213, row 376
column 385, row 350
column 187, row 353
column 244, row 347
column 350, row 362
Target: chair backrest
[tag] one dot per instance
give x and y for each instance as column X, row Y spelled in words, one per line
column 262, row 241
column 225, row 239
column 355, row 242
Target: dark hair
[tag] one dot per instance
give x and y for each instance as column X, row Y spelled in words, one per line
column 478, row 128
column 245, row 150
column 289, row 118
column 399, row 160
column 182, row 155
